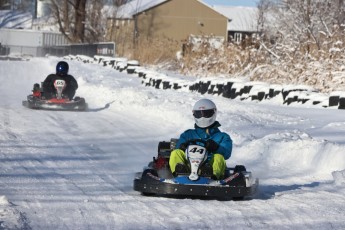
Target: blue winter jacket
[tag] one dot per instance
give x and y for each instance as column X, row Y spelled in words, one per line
column 212, row 132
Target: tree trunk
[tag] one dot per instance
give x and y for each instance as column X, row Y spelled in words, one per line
column 80, row 16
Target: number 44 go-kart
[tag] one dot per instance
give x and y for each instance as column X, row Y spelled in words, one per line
column 197, row 180
column 37, row 99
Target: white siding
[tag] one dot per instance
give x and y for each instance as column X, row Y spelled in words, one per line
column 31, row 38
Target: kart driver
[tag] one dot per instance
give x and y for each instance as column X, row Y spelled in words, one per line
column 61, row 73
column 218, row 144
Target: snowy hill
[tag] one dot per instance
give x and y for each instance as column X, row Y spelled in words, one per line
column 74, row 170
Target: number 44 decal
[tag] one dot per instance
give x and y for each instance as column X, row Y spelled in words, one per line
column 196, row 150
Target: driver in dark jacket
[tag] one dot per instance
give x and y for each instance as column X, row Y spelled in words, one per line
column 62, row 74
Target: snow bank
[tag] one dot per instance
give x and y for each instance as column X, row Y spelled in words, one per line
column 339, row 177
column 3, row 201
column 10, row 217
column 293, row 155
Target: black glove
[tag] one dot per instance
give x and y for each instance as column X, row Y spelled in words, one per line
column 183, row 146
column 211, row 146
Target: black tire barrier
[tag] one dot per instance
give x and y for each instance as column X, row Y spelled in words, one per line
column 303, row 100
column 341, row 103
column 261, row 96
column 289, row 100
column 130, row 70
column 219, row 89
column 233, row 94
column 203, row 88
column 157, row 83
column 176, row 86
column 166, row 85
column 247, row 88
column 228, row 89
column 334, row 100
column 211, row 88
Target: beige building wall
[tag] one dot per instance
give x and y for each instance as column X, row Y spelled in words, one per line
column 177, row 19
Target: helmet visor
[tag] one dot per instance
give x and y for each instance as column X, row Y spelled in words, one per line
column 203, row 113
column 61, row 70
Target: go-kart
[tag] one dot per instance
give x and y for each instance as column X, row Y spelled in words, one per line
column 197, row 181
column 59, row 101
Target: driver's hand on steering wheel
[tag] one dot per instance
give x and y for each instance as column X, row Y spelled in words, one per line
column 211, row 146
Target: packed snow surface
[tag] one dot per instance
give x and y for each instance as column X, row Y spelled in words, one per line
column 75, row 170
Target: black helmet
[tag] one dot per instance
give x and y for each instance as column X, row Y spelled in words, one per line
column 62, row 68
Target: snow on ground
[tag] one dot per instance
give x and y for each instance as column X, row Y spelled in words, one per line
column 74, row 170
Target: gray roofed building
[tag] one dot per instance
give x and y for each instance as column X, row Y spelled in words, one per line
column 178, row 19
column 242, row 19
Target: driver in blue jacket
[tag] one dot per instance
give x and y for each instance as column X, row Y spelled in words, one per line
column 206, row 128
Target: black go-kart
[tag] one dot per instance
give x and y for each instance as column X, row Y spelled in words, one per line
column 196, row 180
column 37, row 99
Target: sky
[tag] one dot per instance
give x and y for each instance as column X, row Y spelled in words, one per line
column 250, row 3
column 75, row 170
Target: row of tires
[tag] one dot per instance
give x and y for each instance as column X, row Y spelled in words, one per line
column 228, row 88
column 255, row 91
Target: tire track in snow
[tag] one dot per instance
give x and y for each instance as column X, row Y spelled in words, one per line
column 9, row 140
column 41, row 167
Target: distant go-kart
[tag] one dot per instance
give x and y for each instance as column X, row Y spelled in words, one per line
column 37, row 100
column 197, row 181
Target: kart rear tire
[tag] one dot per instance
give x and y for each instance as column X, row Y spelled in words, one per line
column 163, row 146
column 238, row 198
column 240, row 168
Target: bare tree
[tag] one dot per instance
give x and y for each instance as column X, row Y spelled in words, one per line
column 303, row 26
column 16, row 5
column 263, row 7
column 5, row 4
column 70, row 16
column 25, row 5
column 95, row 27
column 80, row 20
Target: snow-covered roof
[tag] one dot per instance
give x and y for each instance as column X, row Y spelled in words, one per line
column 15, row 20
column 135, row 6
column 240, row 18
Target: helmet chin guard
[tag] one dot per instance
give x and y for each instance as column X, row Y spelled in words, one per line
column 204, row 122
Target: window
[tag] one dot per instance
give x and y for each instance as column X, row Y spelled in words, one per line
column 237, row 37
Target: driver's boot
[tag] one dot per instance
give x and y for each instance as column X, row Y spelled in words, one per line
column 181, row 169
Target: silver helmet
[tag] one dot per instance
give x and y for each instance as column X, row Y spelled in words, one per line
column 205, row 113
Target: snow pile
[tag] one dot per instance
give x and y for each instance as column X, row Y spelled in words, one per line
column 10, row 218
column 4, row 201
column 339, row 177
